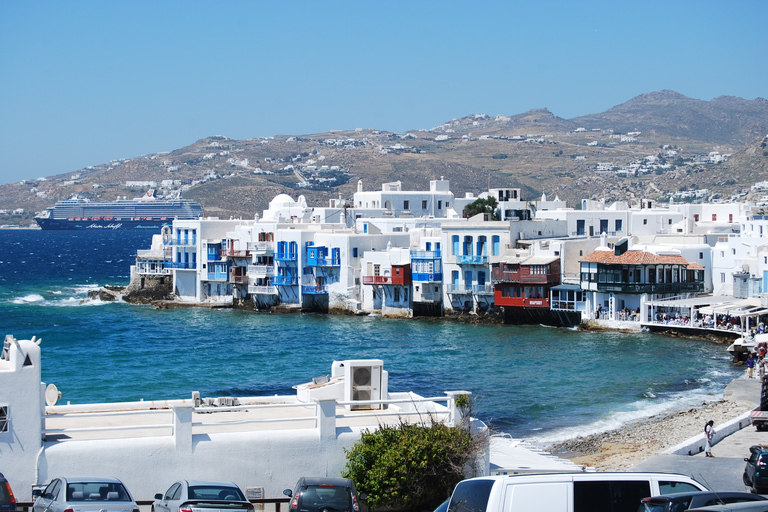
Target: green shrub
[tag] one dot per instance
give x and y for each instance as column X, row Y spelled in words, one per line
column 410, row 466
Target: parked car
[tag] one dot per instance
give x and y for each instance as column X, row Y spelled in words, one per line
column 574, row 492
column 7, row 501
column 201, row 496
column 323, row 495
column 756, row 470
column 681, row 501
column 752, row 506
column 84, row 495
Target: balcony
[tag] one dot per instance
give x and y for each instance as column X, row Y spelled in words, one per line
column 650, row 287
column 524, row 278
column 458, row 289
column 482, row 289
column 426, row 255
column 314, row 289
column 286, row 256
column 261, row 247
column 236, row 253
column 180, row 242
column 323, row 262
column 285, row 280
column 262, row 290
column 261, row 270
column 427, row 277
column 181, row 265
column 238, row 279
column 468, row 259
column 377, row 279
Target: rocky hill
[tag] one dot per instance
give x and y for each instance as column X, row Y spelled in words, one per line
column 657, row 145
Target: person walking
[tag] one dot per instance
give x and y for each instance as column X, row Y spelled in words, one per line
column 750, row 365
column 709, row 433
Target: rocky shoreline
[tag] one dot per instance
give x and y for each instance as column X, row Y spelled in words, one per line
column 620, row 449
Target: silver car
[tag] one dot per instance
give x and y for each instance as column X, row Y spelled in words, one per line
column 201, row 496
column 84, row 495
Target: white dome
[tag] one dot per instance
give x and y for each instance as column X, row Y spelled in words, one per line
column 282, row 200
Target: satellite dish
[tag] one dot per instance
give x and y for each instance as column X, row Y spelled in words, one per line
column 52, row 394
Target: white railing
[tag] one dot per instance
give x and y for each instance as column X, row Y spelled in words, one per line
column 181, row 419
column 262, row 290
column 261, row 270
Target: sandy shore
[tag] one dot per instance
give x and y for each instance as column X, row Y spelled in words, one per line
column 620, row 449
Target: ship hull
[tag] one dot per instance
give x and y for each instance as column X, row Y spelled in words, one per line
column 66, row 224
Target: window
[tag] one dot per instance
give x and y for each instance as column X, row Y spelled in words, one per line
column 669, row 221
column 439, row 205
column 730, row 217
column 714, row 216
column 645, row 221
column 617, row 225
column 701, row 255
column 397, row 294
column 424, row 204
column 4, row 419
column 733, row 251
column 722, row 277
column 354, row 252
column 495, row 242
column 406, row 205
column 455, row 240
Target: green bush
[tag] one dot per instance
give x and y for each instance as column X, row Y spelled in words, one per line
column 410, row 466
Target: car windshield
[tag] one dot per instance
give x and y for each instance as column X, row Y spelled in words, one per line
column 649, row 506
column 97, row 491
column 215, row 492
column 325, row 497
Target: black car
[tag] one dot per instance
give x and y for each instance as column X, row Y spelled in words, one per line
column 680, row 501
column 323, row 494
column 756, row 470
column 7, row 501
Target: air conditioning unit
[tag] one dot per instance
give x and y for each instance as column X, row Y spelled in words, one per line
column 364, row 380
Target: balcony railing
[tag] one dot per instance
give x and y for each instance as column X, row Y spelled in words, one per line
column 313, row 289
column 426, row 255
column 261, row 270
column 285, row 280
column 286, row 256
column 651, row 287
column 261, row 246
column 262, row 290
column 482, row 289
column 469, row 259
column 458, row 289
column 427, row 277
column 185, row 265
column 236, row 253
column 377, row 279
column 524, row 278
column 180, row 242
column 238, row 279
column 324, row 262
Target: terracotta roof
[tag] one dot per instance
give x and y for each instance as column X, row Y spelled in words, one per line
column 635, row 258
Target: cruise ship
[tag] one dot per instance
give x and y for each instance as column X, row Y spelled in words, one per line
column 147, row 212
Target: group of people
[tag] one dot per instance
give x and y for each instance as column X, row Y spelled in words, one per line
column 757, row 360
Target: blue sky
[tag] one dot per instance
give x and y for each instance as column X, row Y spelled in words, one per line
column 85, row 82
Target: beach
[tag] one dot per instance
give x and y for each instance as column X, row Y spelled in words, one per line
column 620, row 449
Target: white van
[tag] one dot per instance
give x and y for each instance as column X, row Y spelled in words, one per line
column 565, row 492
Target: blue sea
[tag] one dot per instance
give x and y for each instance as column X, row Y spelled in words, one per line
column 538, row 383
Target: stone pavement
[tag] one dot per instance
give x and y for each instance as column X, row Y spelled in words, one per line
column 724, row 471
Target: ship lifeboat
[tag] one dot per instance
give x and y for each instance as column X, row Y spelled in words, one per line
column 71, row 218
column 137, row 218
column 95, row 218
column 148, row 218
column 163, row 218
column 107, row 218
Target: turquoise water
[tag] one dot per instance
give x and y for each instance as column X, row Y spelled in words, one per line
column 540, row 383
